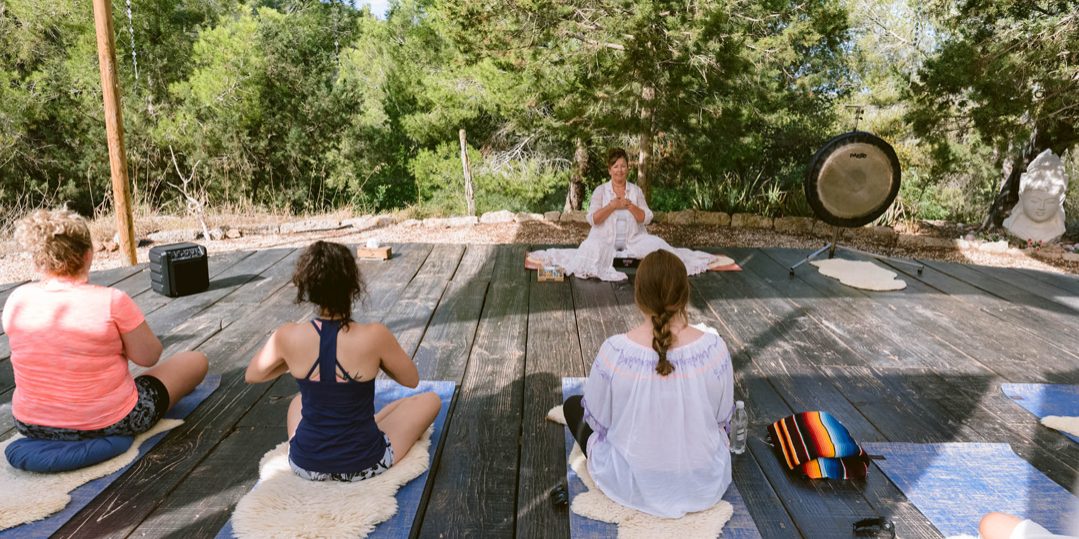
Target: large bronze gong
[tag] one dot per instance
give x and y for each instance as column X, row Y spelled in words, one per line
column 852, row 179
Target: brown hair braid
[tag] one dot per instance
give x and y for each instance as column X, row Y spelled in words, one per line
column 661, row 290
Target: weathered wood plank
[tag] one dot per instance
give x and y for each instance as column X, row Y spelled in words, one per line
column 186, row 508
column 952, row 395
column 997, row 287
column 203, row 502
column 411, row 313
column 1025, row 280
column 444, row 350
column 474, row 487
column 798, row 382
column 549, row 357
column 1053, row 329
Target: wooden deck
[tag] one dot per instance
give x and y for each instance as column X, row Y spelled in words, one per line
column 923, row 365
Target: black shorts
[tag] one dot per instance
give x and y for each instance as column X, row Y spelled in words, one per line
column 149, row 409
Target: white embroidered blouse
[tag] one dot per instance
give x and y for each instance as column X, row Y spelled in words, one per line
column 660, row 442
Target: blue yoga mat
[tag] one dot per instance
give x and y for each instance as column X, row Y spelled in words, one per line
column 740, row 526
column 955, row 484
column 1046, row 399
column 409, row 495
column 83, row 495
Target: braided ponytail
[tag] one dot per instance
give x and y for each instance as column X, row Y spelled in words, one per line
column 661, row 341
column 661, row 289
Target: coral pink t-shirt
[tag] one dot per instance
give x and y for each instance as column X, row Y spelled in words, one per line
column 70, row 370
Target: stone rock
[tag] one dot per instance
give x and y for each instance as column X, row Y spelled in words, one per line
column 234, row 233
column 1039, row 215
column 111, row 246
column 259, row 230
column 99, row 246
column 1070, row 257
column 361, row 222
column 824, row 230
column 749, row 220
column 684, row 217
column 575, row 216
column 802, row 226
column 712, row 218
column 385, row 220
column 311, row 225
column 659, row 217
column 994, row 246
column 522, row 217
column 173, row 236
column 501, row 216
column 411, row 222
column 551, row 215
column 464, row 220
column 217, row 233
column 883, row 235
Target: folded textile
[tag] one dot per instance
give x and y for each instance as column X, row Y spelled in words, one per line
column 818, row 446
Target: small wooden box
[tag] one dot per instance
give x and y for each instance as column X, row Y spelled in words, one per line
column 377, row 253
column 550, row 273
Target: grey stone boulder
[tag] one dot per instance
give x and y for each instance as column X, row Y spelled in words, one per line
column 310, row 225
column 712, row 218
column 575, row 216
column 501, row 216
column 802, row 226
column 749, row 220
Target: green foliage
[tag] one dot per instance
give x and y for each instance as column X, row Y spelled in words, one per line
column 310, row 105
column 521, row 185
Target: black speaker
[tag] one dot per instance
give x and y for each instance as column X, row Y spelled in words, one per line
column 179, row 269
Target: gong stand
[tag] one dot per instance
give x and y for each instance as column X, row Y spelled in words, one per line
column 831, row 247
column 850, row 182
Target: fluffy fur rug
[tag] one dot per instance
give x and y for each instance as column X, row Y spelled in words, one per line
column 858, row 274
column 284, row 505
column 633, row 524
column 1066, row 424
column 27, row 496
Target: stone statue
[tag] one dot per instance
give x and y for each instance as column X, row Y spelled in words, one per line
column 1039, row 215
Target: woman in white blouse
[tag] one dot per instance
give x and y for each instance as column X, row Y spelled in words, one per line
column 658, row 403
column 618, row 214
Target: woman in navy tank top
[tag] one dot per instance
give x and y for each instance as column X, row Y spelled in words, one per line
column 334, row 432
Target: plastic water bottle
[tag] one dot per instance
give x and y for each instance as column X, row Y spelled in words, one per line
column 739, row 428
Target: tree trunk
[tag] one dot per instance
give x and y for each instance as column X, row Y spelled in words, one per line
column 575, row 192
column 470, row 198
column 644, row 161
column 1008, row 195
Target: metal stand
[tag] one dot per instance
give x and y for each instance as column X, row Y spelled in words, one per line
column 834, row 244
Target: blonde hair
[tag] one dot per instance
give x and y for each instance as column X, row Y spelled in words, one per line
column 661, row 289
column 57, row 240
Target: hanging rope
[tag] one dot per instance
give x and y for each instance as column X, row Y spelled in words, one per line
column 134, row 56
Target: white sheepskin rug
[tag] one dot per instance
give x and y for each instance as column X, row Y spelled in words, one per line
column 28, row 496
column 633, row 524
column 284, row 505
column 1066, row 424
column 858, row 274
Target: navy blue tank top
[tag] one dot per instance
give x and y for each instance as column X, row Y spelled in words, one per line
column 337, row 432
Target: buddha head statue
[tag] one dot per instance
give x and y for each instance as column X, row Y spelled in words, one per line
column 1039, row 215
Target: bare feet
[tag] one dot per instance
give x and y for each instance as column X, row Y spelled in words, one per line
column 532, row 263
column 723, row 263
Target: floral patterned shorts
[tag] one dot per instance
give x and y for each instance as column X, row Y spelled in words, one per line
column 149, row 409
column 377, row 469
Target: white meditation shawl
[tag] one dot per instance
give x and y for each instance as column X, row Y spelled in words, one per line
column 595, row 256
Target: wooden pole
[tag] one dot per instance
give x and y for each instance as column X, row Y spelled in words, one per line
column 470, row 197
column 114, row 128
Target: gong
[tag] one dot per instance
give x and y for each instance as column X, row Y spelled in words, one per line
column 852, row 179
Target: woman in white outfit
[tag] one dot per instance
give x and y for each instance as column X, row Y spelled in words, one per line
column 618, row 214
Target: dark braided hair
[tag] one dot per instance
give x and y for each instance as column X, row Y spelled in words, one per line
column 326, row 275
column 661, row 289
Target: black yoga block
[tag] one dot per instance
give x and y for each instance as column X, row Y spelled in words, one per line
column 179, row 269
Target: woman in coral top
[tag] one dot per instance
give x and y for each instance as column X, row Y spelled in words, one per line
column 71, row 342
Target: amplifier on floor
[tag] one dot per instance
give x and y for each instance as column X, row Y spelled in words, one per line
column 179, row 269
